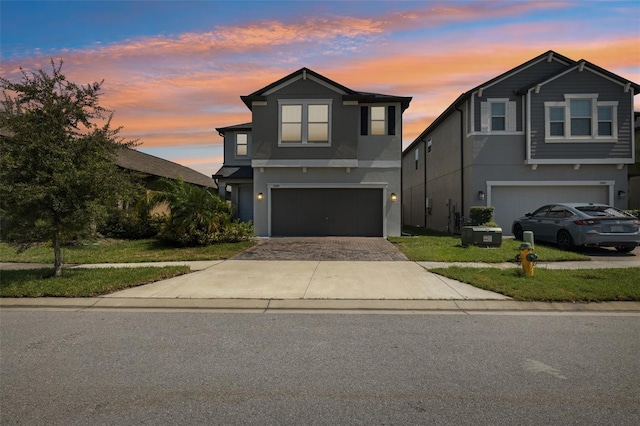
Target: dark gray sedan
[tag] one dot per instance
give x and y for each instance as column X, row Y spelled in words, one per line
column 581, row 224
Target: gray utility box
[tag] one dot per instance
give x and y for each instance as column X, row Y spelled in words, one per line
column 481, row 236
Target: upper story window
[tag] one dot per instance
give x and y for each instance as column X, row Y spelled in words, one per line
column 378, row 120
column 581, row 118
column 242, row 144
column 417, row 157
column 304, row 122
column 498, row 115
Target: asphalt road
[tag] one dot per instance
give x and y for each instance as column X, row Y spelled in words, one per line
column 200, row 368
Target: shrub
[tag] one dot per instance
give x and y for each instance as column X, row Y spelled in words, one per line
column 198, row 217
column 481, row 215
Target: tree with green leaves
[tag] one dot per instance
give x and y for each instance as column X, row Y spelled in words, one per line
column 198, row 216
column 57, row 159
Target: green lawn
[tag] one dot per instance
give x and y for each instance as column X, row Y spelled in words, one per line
column 123, row 251
column 81, row 282
column 448, row 248
column 588, row 285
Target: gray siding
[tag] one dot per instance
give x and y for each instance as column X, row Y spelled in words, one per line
column 230, row 158
column 584, row 82
column 344, row 126
column 515, row 82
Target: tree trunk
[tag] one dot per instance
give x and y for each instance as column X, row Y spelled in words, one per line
column 57, row 251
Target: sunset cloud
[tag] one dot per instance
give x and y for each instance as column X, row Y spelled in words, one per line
column 172, row 89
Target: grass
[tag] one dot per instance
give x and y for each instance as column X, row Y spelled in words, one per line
column 81, row 282
column 123, row 251
column 588, row 285
column 435, row 247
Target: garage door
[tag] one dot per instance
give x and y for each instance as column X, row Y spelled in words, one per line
column 511, row 202
column 326, row 212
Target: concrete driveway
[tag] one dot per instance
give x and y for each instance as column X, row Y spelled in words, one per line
column 314, row 268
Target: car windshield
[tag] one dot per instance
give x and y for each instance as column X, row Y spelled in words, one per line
column 604, row 211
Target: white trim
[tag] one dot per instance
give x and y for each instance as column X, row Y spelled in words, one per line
column 365, row 185
column 304, row 163
column 581, row 161
column 496, row 133
column 304, row 123
column 576, row 67
column 493, row 183
column 594, row 137
column 522, row 69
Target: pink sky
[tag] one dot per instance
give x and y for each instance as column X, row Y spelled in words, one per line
column 170, row 91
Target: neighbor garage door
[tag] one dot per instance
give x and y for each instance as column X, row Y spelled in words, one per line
column 511, row 202
column 326, row 212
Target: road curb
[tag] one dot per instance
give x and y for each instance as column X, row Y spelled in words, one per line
column 316, row 305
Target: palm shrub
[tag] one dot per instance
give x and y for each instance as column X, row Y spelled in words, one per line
column 198, row 216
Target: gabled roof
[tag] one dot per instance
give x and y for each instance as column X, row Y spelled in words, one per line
column 549, row 55
column 139, row 161
column 304, row 73
column 581, row 64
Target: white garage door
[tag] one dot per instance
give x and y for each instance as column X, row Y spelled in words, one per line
column 511, row 202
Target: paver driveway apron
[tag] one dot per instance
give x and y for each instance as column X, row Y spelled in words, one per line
column 314, row 268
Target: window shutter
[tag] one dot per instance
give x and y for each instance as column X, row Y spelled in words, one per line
column 485, row 116
column 511, row 116
column 391, row 120
column 364, row 120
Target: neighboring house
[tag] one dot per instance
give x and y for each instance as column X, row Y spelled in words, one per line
column 634, row 171
column 549, row 130
column 317, row 159
column 155, row 167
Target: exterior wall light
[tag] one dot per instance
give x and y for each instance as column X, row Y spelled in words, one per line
column 260, row 196
column 394, row 197
column 481, row 195
column 622, row 195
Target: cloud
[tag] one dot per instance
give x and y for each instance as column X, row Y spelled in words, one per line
column 174, row 90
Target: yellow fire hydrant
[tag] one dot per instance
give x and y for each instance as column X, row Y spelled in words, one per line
column 527, row 258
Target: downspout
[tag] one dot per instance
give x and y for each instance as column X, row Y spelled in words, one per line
column 457, row 108
column 426, row 208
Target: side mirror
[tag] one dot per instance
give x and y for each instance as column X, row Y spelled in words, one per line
column 528, row 215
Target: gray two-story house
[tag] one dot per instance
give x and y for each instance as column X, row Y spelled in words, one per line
column 317, row 159
column 550, row 130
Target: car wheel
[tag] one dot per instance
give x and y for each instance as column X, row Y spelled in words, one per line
column 564, row 240
column 625, row 249
column 517, row 231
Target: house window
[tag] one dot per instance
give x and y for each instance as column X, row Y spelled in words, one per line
column 242, row 144
column 498, row 115
column 556, row 121
column 304, row 122
column 378, row 120
column 605, row 121
column 429, row 143
column 581, row 118
column 417, row 156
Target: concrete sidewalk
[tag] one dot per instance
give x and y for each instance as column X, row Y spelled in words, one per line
column 320, row 286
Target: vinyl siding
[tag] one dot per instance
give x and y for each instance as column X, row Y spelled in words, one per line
column 507, row 88
column 584, row 82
